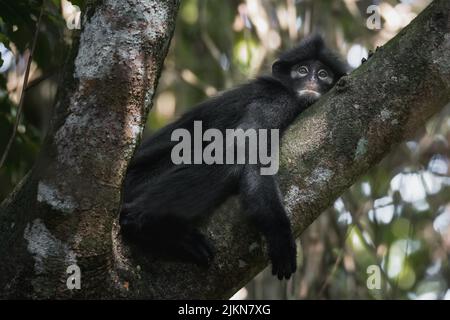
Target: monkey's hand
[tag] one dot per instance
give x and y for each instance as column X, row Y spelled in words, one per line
column 283, row 254
column 261, row 199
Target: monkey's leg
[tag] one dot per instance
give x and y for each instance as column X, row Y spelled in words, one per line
column 260, row 197
column 193, row 246
column 164, row 216
column 167, row 239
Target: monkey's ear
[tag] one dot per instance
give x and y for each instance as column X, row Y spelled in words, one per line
column 279, row 68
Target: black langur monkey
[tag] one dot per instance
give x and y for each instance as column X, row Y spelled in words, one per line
column 163, row 201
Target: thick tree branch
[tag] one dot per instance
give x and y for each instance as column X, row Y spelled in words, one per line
column 65, row 211
column 323, row 153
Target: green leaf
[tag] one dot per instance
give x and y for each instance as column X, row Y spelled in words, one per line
column 2, row 83
column 79, row 3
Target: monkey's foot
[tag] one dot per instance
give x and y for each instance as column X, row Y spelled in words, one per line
column 364, row 60
column 193, row 246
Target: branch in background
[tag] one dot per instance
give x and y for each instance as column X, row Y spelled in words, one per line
column 24, row 88
column 42, row 78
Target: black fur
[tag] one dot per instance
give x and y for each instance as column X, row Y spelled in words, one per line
column 163, row 202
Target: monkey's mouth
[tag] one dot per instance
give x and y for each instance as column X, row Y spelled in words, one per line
column 307, row 92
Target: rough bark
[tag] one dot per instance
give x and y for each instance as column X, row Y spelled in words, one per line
column 65, row 211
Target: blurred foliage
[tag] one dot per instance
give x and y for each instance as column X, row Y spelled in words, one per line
column 17, row 27
column 396, row 217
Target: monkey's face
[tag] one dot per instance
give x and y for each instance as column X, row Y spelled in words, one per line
column 311, row 79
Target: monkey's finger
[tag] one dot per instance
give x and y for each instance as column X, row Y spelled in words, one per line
column 274, row 269
column 280, row 274
column 288, row 274
column 195, row 255
column 205, row 244
column 289, row 267
column 281, row 270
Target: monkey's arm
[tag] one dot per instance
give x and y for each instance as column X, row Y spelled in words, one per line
column 261, row 199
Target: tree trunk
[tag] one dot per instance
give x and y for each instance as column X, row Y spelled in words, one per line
column 65, row 210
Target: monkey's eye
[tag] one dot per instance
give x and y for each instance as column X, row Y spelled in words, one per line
column 303, row 71
column 323, row 74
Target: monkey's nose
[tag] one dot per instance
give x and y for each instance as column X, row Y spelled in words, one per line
column 311, row 85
